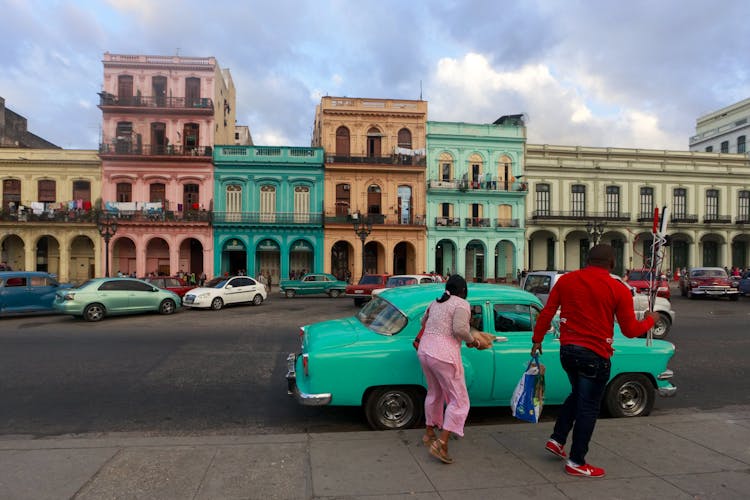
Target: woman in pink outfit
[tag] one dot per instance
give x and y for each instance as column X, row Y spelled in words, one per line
column 446, row 406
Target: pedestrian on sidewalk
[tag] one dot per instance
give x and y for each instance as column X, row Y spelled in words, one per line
column 589, row 299
column 446, row 406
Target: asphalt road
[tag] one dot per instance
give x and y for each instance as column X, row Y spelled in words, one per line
column 200, row 372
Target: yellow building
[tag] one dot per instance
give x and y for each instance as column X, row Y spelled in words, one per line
column 47, row 221
column 374, row 174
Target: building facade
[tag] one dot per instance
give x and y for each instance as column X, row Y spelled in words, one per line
column 268, row 215
column 476, row 199
column 723, row 131
column 48, row 218
column 583, row 195
column 14, row 131
column 161, row 116
column 374, row 177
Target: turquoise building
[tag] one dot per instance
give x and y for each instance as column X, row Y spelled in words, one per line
column 476, row 198
column 268, row 210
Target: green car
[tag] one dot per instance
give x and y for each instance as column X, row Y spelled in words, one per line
column 368, row 360
column 314, row 283
column 100, row 297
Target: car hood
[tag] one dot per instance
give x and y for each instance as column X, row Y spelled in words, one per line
column 200, row 290
column 331, row 334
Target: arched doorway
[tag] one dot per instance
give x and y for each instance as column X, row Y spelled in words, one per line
column 301, row 256
column 341, row 254
column 157, row 257
column 12, row 252
column 404, row 259
column 82, row 262
column 47, row 255
column 445, row 257
column 475, row 264
column 268, row 259
column 191, row 256
column 123, row 257
column 505, row 266
column 233, row 257
column 740, row 251
column 374, row 256
column 710, row 257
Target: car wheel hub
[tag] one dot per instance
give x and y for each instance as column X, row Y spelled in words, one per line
column 395, row 408
column 632, row 398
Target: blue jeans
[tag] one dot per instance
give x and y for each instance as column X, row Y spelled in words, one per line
column 588, row 373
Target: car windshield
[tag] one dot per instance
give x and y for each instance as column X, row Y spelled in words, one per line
column 370, row 280
column 216, row 283
column 401, row 281
column 382, row 317
column 709, row 273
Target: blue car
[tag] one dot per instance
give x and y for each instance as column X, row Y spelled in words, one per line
column 744, row 284
column 28, row 292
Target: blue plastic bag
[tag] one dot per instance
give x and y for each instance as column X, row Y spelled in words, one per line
column 528, row 397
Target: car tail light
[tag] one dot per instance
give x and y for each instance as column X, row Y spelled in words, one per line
column 68, row 296
column 306, row 364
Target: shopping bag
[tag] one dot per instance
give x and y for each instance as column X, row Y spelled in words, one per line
column 528, row 398
column 418, row 338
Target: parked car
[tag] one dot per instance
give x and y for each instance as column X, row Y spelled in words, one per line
column 314, row 283
column 362, row 290
column 368, row 359
column 23, row 292
column 100, row 297
column 173, row 284
column 540, row 283
column 640, row 279
column 743, row 286
column 707, row 282
column 409, row 279
column 222, row 290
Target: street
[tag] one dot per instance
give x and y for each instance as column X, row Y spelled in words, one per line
column 206, row 372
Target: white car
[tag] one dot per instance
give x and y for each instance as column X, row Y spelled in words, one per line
column 541, row 282
column 408, row 279
column 223, row 290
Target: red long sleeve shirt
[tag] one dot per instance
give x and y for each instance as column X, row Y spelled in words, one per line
column 590, row 299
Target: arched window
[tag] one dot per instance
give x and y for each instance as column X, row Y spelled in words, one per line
column 301, row 204
column 374, row 143
column 475, row 171
column 445, row 167
column 505, row 177
column 267, row 203
column 234, row 202
column 543, row 200
column 342, row 141
column 343, row 199
column 157, row 192
column 191, row 197
column 404, row 138
column 46, row 191
column 124, row 192
column 373, row 199
column 124, row 89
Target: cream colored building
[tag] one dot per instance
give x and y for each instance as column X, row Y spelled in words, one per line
column 615, row 191
column 374, row 170
column 47, row 221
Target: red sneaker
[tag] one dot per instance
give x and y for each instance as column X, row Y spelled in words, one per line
column 555, row 448
column 585, row 470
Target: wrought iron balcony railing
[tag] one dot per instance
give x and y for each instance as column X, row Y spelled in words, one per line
column 678, row 218
column 138, row 101
column 50, row 216
column 507, row 223
column 477, row 222
column 483, row 185
column 161, row 216
column 448, row 221
column 717, row 219
column 580, row 216
column 395, row 159
column 129, row 148
column 378, row 219
column 307, row 219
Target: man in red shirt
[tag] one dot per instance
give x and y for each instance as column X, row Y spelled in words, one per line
column 589, row 300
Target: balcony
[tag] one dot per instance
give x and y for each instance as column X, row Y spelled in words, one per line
column 161, row 216
column 507, row 223
column 49, row 216
column 477, row 222
column 717, row 219
column 742, row 219
column 577, row 215
column 683, row 218
column 467, row 185
column 395, row 159
column 377, row 219
column 127, row 148
column 448, row 221
column 268, row 219
column 137, row 103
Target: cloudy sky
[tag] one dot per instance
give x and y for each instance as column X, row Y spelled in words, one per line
column 633, row 73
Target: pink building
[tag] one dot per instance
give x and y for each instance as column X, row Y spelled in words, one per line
column 162, row 116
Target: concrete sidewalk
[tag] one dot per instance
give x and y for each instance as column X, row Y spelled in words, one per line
column 688, row 455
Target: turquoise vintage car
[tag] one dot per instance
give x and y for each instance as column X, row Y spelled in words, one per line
column 368, row 360
column 313, row 283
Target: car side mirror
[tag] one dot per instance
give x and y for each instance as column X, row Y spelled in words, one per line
column 229, row 286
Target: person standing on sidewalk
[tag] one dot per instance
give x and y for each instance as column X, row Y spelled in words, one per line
column 589, row 300
column 446, row 406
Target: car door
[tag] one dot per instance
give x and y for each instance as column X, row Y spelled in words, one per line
column 142, row 296
column 13, row 293
column 312, row 284
column 42, row 291
column 237, row 290
column 479, row 366
column 515, row 322
column 114, row 295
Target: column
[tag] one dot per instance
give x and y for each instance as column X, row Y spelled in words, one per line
column 64, row 271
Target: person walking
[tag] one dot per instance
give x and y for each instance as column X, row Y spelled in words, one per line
column 446, row 406
column 589, row 300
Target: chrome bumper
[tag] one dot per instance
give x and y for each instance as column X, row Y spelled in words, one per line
column 667, row 392
column 302, row 398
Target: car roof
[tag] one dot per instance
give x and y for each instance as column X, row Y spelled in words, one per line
column 412, row 299
column 9, row 274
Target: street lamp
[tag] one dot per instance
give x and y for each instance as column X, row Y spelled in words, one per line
column 362, row 228
column 107, row 226
column 595, row 230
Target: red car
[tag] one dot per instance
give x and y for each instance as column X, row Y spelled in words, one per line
column 361, row 291
column 640, row 278
column 176, row 285
column 708, row 282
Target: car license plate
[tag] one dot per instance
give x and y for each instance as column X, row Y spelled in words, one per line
column 359, row 291
column 189, row 299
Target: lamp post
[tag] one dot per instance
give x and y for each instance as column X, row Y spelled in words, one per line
column 595, row 230
column 362, row 228
column 107, row 226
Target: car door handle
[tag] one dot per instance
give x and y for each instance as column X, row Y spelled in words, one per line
column 499, row 338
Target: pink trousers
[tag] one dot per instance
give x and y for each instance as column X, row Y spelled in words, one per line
column 446, row 405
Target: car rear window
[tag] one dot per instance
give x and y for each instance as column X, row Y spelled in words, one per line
column 371, row 280
column 382, row 317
